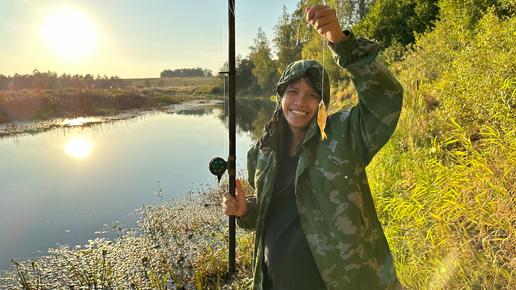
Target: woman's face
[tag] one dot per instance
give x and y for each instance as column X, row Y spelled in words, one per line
column 300, row 104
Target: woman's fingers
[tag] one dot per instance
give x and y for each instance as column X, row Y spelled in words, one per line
column 237, row 205
column 324, row 19
column 316, row 11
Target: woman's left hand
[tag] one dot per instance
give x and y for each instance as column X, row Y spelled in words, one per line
column 237, row 205
column 324, row 19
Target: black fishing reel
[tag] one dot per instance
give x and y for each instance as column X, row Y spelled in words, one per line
column 217, row 167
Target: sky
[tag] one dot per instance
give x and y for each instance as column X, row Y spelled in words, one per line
column 127, row 38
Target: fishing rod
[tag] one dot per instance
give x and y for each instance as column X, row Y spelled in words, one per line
column 218, row 165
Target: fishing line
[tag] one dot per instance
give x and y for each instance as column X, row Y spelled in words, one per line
column 323, row 65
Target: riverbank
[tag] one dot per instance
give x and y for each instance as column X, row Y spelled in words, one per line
column 18, row 127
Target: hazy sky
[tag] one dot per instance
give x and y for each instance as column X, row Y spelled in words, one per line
column 127, row 38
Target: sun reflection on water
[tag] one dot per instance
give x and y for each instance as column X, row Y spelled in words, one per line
column 79, row 121
column 78, row 147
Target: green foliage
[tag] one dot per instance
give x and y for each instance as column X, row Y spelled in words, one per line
column 394, row 21
column 477, row 87
column 264, row 66
column 247, row 83
column 287, row 39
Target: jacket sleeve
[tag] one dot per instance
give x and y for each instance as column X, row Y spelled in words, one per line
column 248, row 221
column 380, row 95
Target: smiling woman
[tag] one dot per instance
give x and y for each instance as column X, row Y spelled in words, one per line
column 69, row 33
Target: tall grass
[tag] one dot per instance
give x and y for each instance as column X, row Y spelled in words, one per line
column 445, row 185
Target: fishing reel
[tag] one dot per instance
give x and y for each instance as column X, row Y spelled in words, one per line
column 217, row 167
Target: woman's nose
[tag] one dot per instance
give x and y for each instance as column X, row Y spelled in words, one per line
column 301, row 99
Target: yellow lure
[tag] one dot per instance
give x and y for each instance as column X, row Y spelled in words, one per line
column 321, row 119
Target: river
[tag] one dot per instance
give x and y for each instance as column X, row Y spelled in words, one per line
column 68, row 184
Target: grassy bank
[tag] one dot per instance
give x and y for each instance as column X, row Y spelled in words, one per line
column 445, row 185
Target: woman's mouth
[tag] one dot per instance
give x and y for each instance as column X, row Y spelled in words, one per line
column 300, row 113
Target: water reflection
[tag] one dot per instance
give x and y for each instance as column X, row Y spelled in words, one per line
column 251, row 115
column 78, row 147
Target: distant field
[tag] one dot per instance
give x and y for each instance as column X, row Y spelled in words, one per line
column 175, row 82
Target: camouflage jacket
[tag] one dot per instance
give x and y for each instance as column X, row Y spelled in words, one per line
column 334, row 200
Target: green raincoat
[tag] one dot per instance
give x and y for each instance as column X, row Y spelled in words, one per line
column 334, row 200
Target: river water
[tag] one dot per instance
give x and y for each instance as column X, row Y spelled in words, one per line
column 68, row 184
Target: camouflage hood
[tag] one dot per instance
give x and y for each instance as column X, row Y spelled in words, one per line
column 299, row 69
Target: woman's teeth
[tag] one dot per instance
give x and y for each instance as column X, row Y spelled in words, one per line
column 299, row 113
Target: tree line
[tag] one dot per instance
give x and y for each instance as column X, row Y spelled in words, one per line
column 51, row 81
column 186, row 72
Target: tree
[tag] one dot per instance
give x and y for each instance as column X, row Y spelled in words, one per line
column 264, row 66
column 186, row 72
column 207, row 72
column 245, row 79
column 351, row 12
column 287, row 40
column 88, row 81
column 398, row 21
column 4, row 82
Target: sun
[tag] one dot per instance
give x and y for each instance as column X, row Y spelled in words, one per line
column 69, row 33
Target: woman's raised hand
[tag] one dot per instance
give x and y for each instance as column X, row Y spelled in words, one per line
column 237, row 205
column 324, row 19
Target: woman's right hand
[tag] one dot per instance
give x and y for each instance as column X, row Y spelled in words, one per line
column 237, row 205
column 324, row 19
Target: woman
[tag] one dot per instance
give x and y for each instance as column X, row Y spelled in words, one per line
column 312, row 209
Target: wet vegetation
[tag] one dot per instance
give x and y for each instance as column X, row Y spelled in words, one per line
column 178, row 245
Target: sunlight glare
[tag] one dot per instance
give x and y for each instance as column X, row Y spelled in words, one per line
column 78, row 147
column 69, row 33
